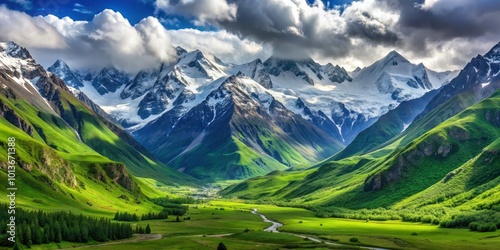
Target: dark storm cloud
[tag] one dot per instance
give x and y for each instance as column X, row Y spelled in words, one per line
column 293, row 27
column 291, row 30
column 427, row 23
column 451, row 19
column 368, row 28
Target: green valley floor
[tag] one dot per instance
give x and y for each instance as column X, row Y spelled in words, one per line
column 232, row 223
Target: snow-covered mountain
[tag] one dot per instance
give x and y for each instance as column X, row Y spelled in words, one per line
column 159, row 106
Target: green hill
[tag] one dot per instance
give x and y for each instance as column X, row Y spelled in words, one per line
column 411, row 166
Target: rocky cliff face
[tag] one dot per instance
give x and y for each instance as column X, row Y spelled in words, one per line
column 11, row 116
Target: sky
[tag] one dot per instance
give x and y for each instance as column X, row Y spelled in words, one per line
column 138, row 34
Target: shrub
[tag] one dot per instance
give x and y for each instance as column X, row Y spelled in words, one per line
column 354, row 239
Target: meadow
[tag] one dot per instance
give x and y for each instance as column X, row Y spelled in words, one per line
column 227, row 220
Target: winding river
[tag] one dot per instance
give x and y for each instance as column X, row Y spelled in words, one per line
column 275, row 225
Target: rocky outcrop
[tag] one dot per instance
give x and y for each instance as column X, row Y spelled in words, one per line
column 11, row 116
column 434, row 146
column 116, row 172
column 493, row 117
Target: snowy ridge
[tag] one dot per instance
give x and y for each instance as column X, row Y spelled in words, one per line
column 17, row 60
column 348, row 101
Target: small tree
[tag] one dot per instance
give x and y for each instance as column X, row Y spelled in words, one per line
column 221, row 246
column 148, row 229
column 27, row 237
column 178, row 219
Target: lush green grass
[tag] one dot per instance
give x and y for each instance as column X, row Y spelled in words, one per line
column 267, row 185
column 210, row 243
column 390, row 234
column 58, row 171
column 228, row 226
column 230, row 160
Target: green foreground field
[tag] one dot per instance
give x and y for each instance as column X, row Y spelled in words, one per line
column 209, row 225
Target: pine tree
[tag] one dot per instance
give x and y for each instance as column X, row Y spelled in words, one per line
column 36, row 234
column 148, row 229
column 84, row 233
column 19, row 234
column 29, row 242
column 57, row 232
column 178, row 220
column 46, row 234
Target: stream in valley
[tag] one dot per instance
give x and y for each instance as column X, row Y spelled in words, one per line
column 276, row 225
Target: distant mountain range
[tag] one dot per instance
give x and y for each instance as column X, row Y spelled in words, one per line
column 215, row 120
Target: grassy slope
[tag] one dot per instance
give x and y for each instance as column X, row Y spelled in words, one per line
column 56, row 163
column 341, row 183
column 235, row 160
column 267, row 185
column 37, row 192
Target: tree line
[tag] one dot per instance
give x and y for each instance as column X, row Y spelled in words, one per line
column 39, row 227
column 171, row 206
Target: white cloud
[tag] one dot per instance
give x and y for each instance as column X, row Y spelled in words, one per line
column 28, row 31
column 226, row 46
column 110, row 40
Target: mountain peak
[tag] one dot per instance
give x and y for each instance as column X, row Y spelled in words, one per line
column 494, row 54
column 180, row 50
column 63, row 71
column 15, row 50
column 59, row 63
column 394, row 56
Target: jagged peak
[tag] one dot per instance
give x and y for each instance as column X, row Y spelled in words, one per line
column 15, row 50
column 180, row 50
column 494, row 54
column 395, row 56
column 59, row 63
column 334, row 67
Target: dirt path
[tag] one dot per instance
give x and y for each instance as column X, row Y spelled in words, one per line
column 136, row 238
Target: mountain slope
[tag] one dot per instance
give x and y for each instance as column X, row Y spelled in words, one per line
column 62, row 144
column 252, row 134
column 410, row 171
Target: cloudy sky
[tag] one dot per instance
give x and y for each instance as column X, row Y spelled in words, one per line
column 136, row 34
